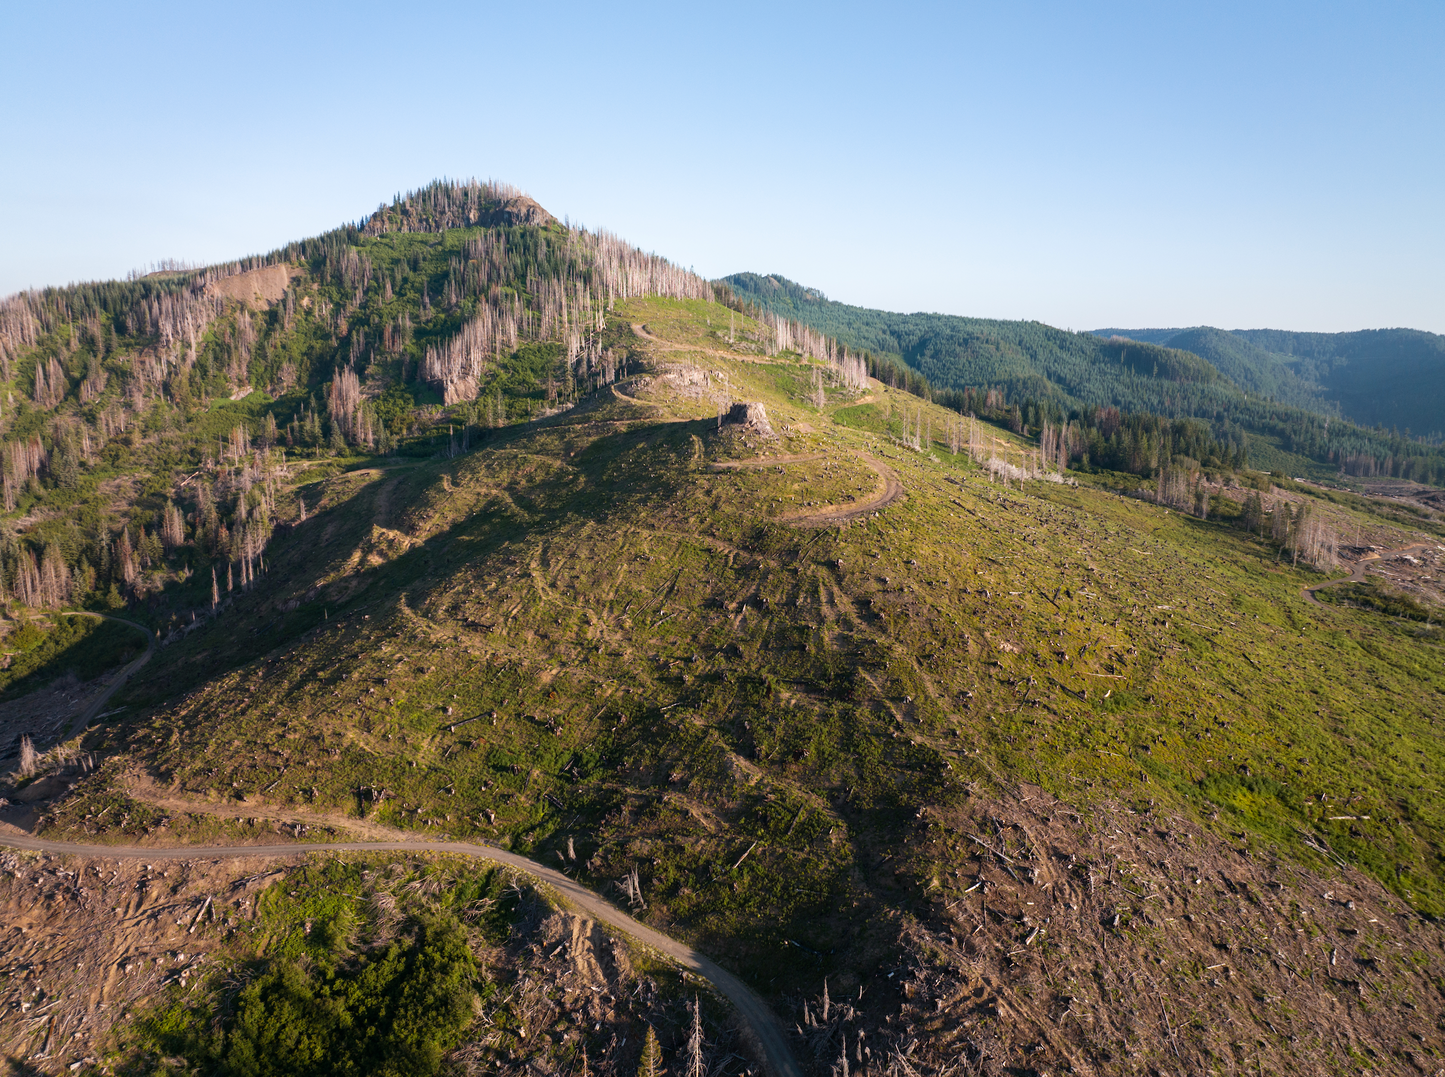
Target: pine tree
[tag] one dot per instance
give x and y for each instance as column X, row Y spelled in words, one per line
column 650, row 1064
column 1253, row 513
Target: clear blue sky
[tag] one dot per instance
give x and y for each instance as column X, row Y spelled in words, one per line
column 1088, row 165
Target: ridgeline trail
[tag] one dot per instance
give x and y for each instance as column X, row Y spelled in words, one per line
column 767, row 1036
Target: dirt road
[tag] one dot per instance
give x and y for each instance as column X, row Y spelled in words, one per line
column 889, row 491
column 669, row 346
column 768, row 1038
column 125, row 674
column 832, row 515
column 1358, row 575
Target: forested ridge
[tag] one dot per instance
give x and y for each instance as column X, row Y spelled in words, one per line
column 1234, row 383
column 1376, row 377
column 153, row 429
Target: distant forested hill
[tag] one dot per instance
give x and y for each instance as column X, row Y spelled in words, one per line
column 1293, row 390
column 1022, row 358
column 1393, row 378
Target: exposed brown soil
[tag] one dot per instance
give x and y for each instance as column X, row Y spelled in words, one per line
column 1429, row 556
column 84, row 940
column 256, row 288
column 89, row 940
column 569, row 974
column 763, row 1032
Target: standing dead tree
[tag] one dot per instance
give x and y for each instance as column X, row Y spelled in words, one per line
column 631, row 885
column 29, row 757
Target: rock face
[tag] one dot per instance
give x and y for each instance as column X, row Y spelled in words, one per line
column 752, row 416
column 519, row 210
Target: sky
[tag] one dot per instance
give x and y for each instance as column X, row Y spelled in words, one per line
column 1086, row 165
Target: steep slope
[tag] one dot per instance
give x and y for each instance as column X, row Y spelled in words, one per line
column 995, row 764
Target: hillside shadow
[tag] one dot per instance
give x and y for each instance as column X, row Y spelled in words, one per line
column 619, row 477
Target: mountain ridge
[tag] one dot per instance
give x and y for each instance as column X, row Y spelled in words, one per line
column 1387, row 377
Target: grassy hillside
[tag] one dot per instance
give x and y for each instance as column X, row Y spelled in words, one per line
column 955, row 758
column 1032, row 747
column 157, row 430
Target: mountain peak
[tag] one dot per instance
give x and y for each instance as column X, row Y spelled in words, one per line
column 445, row 204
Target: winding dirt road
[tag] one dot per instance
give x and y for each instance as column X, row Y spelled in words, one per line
column 1363, row 564
column 890, row 490
column 832, row 515
column 670, row 346
column 767, row 1035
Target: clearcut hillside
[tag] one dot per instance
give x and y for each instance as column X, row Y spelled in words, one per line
column 960, row 760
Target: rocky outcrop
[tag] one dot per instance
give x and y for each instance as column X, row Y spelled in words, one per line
column 752, row 417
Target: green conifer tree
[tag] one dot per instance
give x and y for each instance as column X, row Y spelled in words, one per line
column 650, row 1064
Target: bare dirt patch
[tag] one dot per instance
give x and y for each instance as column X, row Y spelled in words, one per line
column 84, row 941
column 1124, row 942
column 256, row 288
